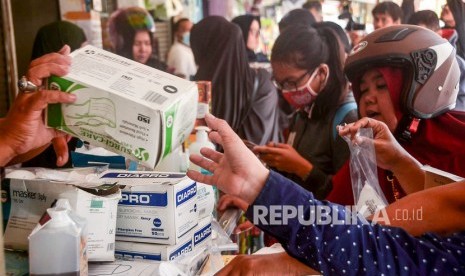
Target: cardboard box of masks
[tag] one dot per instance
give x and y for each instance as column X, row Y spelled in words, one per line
column 156, row 207
column 124, row 106
column 195, row 238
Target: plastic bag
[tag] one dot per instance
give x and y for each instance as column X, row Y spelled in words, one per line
column 368, row 196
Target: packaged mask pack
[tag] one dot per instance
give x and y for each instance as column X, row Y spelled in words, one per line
column 368, row 196
column 124, row 106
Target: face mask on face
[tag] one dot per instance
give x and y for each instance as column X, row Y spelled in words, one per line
column 186, row 38
column 304, row 95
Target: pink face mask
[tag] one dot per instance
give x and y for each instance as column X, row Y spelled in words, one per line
column 304, row 95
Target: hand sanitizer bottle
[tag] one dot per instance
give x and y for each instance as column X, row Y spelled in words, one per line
column 201, row 141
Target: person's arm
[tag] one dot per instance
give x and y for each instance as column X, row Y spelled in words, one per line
column 335, row 243
column 23, row 129
column 389, row 154
column 440, row 210
column 269, row 264
column 333, row 240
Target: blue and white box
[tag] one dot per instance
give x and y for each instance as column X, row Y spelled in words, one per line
column 198, row 237
column 155, row 207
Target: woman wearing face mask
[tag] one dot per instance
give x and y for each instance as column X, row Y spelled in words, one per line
column 180, row 57
column 307, row 67
column 250, row 27
column 131, row 34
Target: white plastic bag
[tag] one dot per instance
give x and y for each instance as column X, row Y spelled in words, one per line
column 368, row 196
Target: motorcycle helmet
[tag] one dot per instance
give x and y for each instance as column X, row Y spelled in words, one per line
column 430, row 70
column 123, row 26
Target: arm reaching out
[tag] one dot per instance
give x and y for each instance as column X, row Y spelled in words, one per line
column 238, row 171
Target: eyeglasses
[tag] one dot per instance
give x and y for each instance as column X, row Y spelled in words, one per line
column 289, row 85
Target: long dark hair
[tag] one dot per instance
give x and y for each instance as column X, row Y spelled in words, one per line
column 306, row 48
column 220, row 52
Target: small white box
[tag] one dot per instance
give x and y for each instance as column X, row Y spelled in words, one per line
column 157, row 252
column 155, row 207
column 435, row 177
column 124, row 106
column 31, row 198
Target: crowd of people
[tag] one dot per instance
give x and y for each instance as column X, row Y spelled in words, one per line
column 404, row 81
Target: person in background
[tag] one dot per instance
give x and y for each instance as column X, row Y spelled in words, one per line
column 250, row 26
column 180, row 56
column 49, row 39
column 447, row 17
column 386, row 14
column 337, row 29
column 296, row 17
column 315, row 8
column 244, row 97
column 408, row 8
column 308, row 69
column 387, row 85
column 457, row 8
column 132, row 32
column 353, row 246
column 379, row 89
column 52, row 37
column 429, row 19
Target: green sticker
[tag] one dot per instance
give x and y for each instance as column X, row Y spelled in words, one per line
column 96, row 204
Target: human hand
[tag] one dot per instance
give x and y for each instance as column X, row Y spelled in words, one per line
column 284, row 158
column 388, row 150
column 270, row 264
column 237, row 172
column 23, row 129
column 228, row 201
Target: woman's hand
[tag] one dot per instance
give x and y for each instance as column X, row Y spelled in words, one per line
column 284, row 158
column 389, row 153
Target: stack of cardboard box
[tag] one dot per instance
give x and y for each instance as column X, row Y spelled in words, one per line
column 158, row 215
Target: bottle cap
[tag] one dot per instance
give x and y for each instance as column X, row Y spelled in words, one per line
column 201, row 134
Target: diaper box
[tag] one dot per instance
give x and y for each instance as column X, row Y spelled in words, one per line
column 197, row 237
column 155, row 207
column 124, row 106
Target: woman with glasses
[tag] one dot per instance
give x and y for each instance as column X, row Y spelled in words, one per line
column 244, row 97
column 308, row 70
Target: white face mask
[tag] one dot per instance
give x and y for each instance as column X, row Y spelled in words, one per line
column 186, row 38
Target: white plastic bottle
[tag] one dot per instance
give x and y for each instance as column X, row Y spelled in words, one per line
column 201, row 141
column 55, row 246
